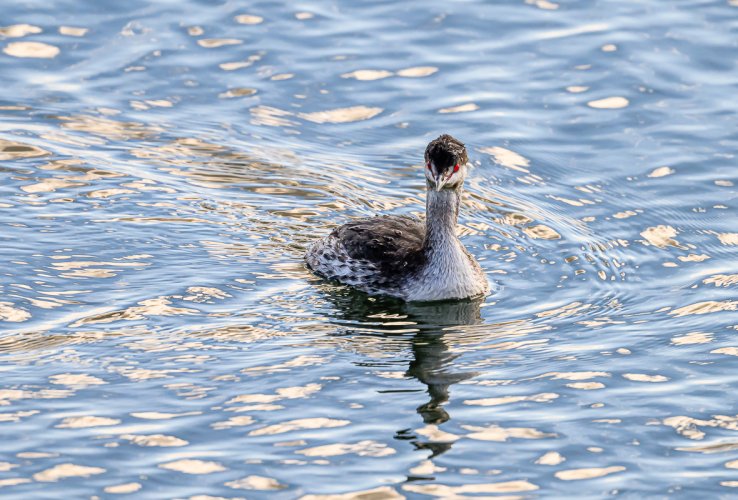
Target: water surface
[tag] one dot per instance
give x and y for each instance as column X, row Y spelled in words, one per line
column 163, row 166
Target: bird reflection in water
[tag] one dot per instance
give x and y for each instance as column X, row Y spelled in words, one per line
column 430, row 330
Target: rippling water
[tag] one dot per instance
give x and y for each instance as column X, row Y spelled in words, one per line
column 164, row 165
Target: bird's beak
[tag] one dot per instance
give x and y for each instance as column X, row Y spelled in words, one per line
column 440, row 181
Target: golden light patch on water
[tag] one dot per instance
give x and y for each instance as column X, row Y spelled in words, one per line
column 461, row 108
column 417, row 71
column 159, row 103
column 90, row 273
column 254, row 398
column 661, row 172
column 72, row 31
column 609, row 47
column 544, row 397
column 730, row 351
column 625, row 214
column 302, row 391
column 573, row 31
column 514, row 219
column 587, row 473
column 296, row 442
column 574, row 375
column 63, row 471
column 17, row 416
column 721, row 280
column 50, row 185
column 36, row 454
column 541, row 232
column 36, row 50
column 13, row 481
column 368, row 74
column 204, row 293
column 301, row 360
column 8, row 312
column 140, row 374
column 237, row 92
column 281, row 393
column 303, row 16
column 160, row 306
column 586, row 386
column 609, row 103
column 259, row 483
column 444, row 491
column 342, row 115
column 502, row 434
column 156, row 415
column 690, row 428
column 76, row 380
column 692, row 338
column 644, row 377
column 729, row 239
column 366, row 448
column 50, row 303
column 6, row 466
column 239, row 421
column 122, row 489
column 108, row 193
column 193, row 466
column 397, row 375
column 693, row 257
column 282, row 76
column 706, row 307
column 299, row 424
column 271, row 116
column 19, row 30
column 723, row 183
column 84, row 422
column 380, row 493
column 576, row 89
column 719, row 447
column 214, row 43
column 154, row 440
column 255, row 407
column 574, row 203
column 235, row 65
column 195, row 30
column 108, row 128
column 436, row 435
column 248, row 19
column 661, row 236
column 10, row 150
column 550, row 458
column 568, row 310
column 543, row 4
column 426, row 468
column 507, row 158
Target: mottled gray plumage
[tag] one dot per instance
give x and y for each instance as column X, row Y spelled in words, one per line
column 402, row 256
column 393, row 242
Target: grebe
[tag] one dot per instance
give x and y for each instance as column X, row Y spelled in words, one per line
column 401, row 256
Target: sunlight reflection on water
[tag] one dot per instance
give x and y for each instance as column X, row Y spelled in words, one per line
column 164, row 167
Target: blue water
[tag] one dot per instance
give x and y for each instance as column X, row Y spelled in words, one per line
column 163, row 165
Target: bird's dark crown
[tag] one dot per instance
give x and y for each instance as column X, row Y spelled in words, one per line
column 445, row 152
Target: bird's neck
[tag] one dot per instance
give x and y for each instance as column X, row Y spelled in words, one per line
column 441, row 214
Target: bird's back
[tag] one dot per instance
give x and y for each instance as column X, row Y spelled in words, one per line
column 376, row 255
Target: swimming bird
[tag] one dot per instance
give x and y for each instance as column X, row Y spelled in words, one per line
column 402, row 256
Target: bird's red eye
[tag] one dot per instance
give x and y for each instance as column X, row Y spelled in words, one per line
column 456, row 167
column 428, row 166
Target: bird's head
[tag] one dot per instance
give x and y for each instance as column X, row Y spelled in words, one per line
column 445, row 163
